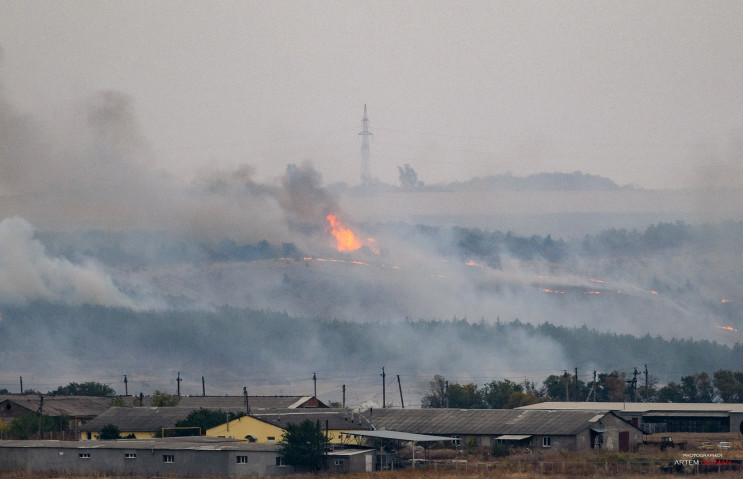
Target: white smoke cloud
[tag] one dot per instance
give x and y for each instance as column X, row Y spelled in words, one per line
column 28, row 273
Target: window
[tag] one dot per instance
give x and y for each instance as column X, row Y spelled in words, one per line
column 280, row 461
column 338, row 462
column 241, row 459
column 84, row 455
column 546, row 441
column 271, row 438
column 130, row 455
column 168, row 458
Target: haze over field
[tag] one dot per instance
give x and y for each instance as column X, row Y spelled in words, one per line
column 574, row 165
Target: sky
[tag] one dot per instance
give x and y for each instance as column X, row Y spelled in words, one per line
column 645, row 93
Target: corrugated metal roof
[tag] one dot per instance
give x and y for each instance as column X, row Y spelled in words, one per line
column 400, row 436
column 336, row 418
column 72, row 406
column 191, row 443
column 237, row 403
column 137, row 419
column 481, row 421
column 636, row 406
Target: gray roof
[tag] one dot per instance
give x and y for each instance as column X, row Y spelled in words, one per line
column 484, row 421
column 137, row 419
column 336, row 418
column 400, row 436
column 71, row 406
column 174, row 443
column 636, row 406
column 237, row 403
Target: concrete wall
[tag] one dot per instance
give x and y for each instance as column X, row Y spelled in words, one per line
column 129, row 461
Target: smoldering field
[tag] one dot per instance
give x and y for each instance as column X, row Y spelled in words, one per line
column 112, row 267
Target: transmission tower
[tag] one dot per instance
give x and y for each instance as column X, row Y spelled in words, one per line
column 365, row 134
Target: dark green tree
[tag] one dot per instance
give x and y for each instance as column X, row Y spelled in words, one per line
column 161, row 399
column 697, row 388
column 498, row 393
column 303, row 445
column 109, row 431
column 90, row 388
column 671, row 392
column 26, row 425
column 554, row 388
column 436, row 398
column 465, row 397
column 729, row 385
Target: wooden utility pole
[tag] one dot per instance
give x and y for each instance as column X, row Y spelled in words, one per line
column 399, row 385
column 314, row 380
column 344, row 396
column 178, row 380
column 126, row 386
column 41, row 416
column 203, row 387
column 384, row 397
column 247, row 401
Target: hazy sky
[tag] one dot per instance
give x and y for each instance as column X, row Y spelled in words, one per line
column 642, row 92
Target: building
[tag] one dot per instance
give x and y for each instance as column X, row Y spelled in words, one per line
column 139, row 422
column 536, row 429
column 77, row 409
column 268, row 426
column 654, row 418
column 238, row 403
column 193, row 457
column 147, row 422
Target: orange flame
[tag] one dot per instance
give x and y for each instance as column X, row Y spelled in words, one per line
column 346, row 240
column 728, row 328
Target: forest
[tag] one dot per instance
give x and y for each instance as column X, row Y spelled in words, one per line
column 225, row 342
column 724, row 386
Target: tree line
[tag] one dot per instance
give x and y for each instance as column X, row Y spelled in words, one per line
column 724, row 386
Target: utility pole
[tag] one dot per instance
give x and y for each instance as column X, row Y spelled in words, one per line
column 567, row 390
column 247, row 401
column 41, row 415
column 126, row 386
column 203, row 387
column 178, row 380
column 365, row 134
column 446, row 394
column 344, row 396
column 314, row 380
column 594, row 385
column 399, row 385
column 647, row 387
column 577, row 391
column 634, row 385
column 384, row 389
column 21, row 384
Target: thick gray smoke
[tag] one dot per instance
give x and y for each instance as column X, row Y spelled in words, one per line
column 29, row 274
column 86, row 219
